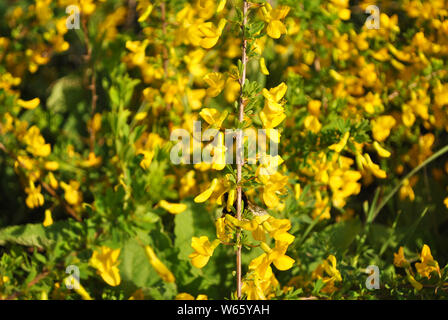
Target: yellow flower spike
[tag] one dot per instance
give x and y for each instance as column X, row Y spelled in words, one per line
column 48, row 218
column 203, row 250
column 337, row 147
column 380, row 150
column 105, row 260
column 29, row 104
column 216, row 83
column 207, row 193
column 173, row 208
column 263, row 67
column 158, row 265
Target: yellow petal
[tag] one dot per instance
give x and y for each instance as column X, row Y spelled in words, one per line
column 30, row 104
column 275, row 29
column 173, row 208
column 263, row 67
column 284, row 262
column 48, row 219
column 207, row 193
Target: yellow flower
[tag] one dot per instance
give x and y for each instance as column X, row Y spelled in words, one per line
column 381, row 127
column 314, row 107
column 273, row 112
column 273, row 184
column 428, row 264
column 30, row 104
column 51, row 165
column 333, row 274
column 195, row 98
column 399, row 259
column 158, row 265
column 216, row 83
column 341, row 7
column 207, row 35
column 273, row 18
column 380, row 150
column 173, row 208
column 48, row 219
column 337, row 147
column 92, row 160
column 147, row 158
column 35, row 198
column 312, row 123
column 106, row 262
column 36, row 143
column 277, row 255
column 406, row 190
column 184, row 296
column 72, row 195
column 213, row 117
column 203, row 250
column 373, row 167
column 187, row 296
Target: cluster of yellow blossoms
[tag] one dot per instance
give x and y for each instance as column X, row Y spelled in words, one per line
column 426, row 268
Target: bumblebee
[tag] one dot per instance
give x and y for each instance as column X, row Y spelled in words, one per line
column 253, row 208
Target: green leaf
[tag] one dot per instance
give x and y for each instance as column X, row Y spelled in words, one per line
column 193, row 222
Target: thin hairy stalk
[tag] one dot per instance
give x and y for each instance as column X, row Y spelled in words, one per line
column 240, row 148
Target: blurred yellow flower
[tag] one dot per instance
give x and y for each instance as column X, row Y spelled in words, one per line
column 106, row 262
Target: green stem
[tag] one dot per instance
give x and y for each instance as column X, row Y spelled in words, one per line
column 410, row 174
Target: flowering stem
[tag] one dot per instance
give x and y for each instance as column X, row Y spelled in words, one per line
column 240, row 149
